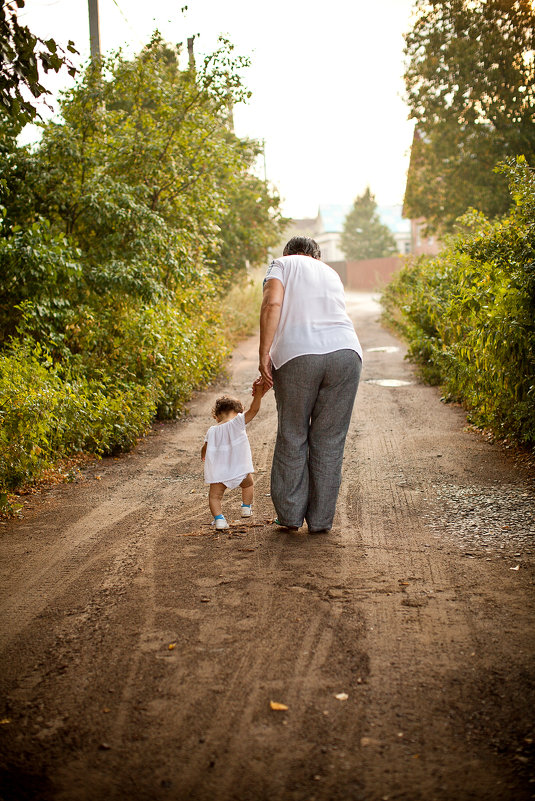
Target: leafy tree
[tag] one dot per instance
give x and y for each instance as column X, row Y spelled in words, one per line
column 364, row 235
column 251, row 224
column 146, row 182
column 21, row 55
column 144, row 171
column 470, row 82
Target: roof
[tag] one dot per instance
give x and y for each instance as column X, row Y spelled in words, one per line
column 333, row 216
column 305, row 225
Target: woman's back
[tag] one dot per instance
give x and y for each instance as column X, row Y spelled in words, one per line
column 313, row 316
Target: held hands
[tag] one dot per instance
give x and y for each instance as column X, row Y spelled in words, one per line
column 260, row 387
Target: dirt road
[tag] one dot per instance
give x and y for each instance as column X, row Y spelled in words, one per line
column 140, row 651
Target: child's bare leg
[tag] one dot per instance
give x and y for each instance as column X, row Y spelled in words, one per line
column 247, row 490
column 215, row 496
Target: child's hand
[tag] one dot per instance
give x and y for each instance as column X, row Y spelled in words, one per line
column 260, row 386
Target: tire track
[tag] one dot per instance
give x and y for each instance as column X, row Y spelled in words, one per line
column 429, row 647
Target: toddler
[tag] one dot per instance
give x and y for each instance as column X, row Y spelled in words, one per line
column 226, row 453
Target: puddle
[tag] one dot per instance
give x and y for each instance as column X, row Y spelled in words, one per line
column 383, row 349
column 389, row 382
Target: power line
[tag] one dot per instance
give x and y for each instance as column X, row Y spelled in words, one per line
column 123, row 15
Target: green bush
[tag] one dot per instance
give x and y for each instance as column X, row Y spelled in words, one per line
column 127, row 365
column 42, row 269
column 47, row 412
column 468, row 314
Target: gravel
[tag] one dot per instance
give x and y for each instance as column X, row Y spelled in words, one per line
column 485, row 517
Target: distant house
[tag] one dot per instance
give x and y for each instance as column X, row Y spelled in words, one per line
column 327, row 226
column 330, row 224
column 423, row 244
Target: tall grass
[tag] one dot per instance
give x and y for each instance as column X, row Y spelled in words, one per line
column 240, row 308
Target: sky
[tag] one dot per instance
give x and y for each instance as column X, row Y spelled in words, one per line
column 326, row 81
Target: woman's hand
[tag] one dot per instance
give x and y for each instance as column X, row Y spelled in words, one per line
column 264, row 366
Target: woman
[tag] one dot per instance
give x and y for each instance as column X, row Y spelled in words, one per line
column 311, row 355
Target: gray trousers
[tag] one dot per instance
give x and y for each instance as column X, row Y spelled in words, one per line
column 315, row 396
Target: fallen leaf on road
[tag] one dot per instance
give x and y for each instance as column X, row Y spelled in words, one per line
column 171, row 645
column 341, row 696
column 278, row 707
column 5, row 721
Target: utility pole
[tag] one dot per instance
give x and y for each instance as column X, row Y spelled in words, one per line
column 94, row 32
column 191, row 54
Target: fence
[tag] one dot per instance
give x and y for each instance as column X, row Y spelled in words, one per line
column 368, row 274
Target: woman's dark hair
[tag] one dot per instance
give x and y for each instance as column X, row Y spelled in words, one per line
column 302, row 245
column 226, row 404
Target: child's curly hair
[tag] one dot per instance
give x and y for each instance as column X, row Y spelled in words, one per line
column 226, row 404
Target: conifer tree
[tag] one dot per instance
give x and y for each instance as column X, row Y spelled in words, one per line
column 364, row 235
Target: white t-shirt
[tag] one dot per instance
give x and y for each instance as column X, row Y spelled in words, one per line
column 313, row 316
column 228, row 453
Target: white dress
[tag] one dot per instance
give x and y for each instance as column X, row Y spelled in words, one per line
column 228, row 456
